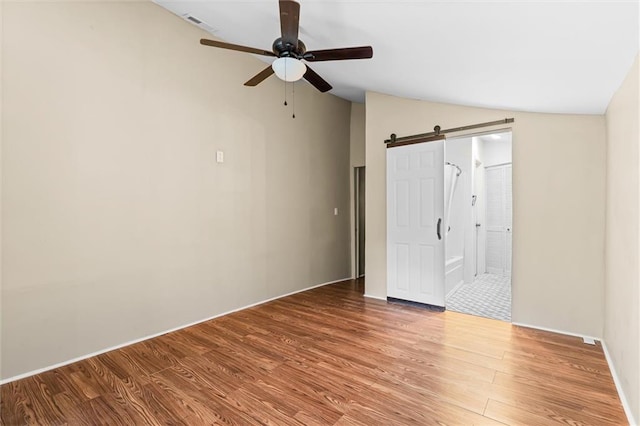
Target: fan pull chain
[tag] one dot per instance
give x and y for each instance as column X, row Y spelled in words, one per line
column 285, row 93
column 285, row 84
column 293, row 99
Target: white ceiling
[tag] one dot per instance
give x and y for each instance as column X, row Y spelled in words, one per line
column 543, row 56
column 504, row 137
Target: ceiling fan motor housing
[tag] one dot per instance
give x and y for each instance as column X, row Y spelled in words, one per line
column 283, row 50
column 289, row 49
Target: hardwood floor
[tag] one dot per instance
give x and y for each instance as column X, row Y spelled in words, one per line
column 329, row 356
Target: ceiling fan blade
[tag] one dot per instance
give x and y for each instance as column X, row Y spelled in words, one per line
column 317, row 81
column 363, row 52
column 236, row 47
column 260, row 77
column 289, row 21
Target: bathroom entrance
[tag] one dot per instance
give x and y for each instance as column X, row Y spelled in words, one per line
column 478, row 212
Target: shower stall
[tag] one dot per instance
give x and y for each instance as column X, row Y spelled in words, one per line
column 454, row 263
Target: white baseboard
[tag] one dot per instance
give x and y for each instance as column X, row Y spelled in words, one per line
column 375, row 297
column 151, row 336
column 553, row 330
column 614, row 374
column 616, row 380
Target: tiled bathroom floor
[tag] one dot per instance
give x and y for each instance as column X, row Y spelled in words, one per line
column 488, row 296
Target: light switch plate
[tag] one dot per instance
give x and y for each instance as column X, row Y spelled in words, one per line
column 335, row 211
column 219, row 157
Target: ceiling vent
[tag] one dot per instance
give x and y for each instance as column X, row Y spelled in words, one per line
column 198, row 22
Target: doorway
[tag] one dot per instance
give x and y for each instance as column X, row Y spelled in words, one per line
column 359, row 184
column 478, row 239
column 498, row 219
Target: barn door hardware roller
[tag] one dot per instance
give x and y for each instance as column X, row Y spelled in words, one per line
column 439, row 134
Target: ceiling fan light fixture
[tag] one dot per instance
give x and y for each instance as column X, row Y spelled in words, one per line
column 289, row 69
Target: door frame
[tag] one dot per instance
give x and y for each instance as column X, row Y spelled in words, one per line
column 357, row 172
column 476, row 238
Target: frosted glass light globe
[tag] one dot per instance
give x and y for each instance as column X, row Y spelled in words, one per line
column 289, row 69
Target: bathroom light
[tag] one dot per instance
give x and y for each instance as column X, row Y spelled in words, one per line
column 289, row 69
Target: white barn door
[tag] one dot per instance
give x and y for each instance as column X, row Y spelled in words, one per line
column 415, row 228
column 498, row 219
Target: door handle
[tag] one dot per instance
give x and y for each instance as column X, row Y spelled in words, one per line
column 438, row 228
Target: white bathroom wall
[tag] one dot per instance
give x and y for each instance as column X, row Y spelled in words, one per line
column 477, row 149
column 460, row 240
column 497, row 151
column 457, row 152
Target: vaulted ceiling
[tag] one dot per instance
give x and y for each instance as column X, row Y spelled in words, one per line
column 543, row 56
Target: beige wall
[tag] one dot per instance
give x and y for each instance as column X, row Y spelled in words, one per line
column 558, row 206
column 356, row 159
column 357, row 145
column 1, row 138
column 622, row 293
column 118, row 221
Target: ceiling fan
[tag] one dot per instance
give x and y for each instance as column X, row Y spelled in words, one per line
column 290, row 51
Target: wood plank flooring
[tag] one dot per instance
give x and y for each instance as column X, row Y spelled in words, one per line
column 329, row 356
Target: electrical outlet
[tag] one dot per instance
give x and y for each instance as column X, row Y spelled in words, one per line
column 219, row 157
